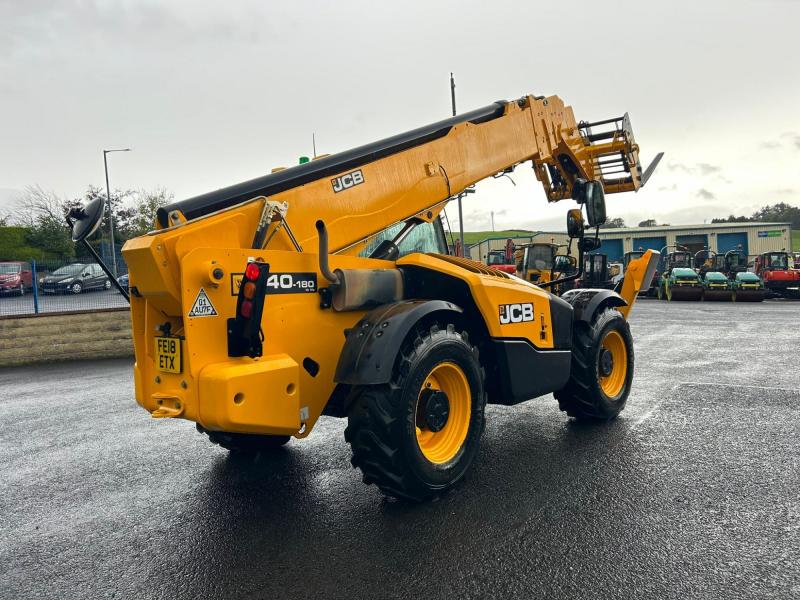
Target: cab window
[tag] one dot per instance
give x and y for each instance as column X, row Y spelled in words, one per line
column 425, row 237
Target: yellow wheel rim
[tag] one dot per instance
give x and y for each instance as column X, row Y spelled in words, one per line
column 443, row 445
column 613, row 383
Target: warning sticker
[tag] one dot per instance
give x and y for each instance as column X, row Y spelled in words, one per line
column 202, row 306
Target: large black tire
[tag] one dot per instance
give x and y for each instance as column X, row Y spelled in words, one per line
column 387, row 432
column 245, row 443
column 588, row 395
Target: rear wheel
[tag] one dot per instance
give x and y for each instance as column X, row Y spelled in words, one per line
column 245, row 443
column 107, row 284
column 602, row 368
column 418, row 435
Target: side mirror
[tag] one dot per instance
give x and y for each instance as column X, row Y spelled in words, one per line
column 595, row 204
column 85, row 220
column 592, row 195
column 575, row 223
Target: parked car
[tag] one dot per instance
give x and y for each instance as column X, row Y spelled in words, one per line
column 15, row 277
column 75, row 278
column 124, row 282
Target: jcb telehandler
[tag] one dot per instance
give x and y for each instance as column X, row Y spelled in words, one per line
column 326, row 288
column 535, row 261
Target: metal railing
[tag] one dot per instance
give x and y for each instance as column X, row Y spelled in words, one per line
column 55, row 286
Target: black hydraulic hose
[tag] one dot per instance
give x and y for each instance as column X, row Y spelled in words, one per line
column 324, row 267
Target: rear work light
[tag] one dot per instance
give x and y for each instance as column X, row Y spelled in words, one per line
column 244, row 330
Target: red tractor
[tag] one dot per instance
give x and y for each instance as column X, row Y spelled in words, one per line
column 779, row 279
column 503, row 260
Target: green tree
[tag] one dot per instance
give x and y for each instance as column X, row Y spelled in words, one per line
column 781, row 212
column 733, row 219
column 42, row 212
column 614, row 223
column 138, row 215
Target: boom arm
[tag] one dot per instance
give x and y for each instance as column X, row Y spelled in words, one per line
column 359, row 192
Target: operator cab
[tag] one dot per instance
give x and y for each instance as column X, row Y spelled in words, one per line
column 496, row 257
column 407, row 237
column 776, row 261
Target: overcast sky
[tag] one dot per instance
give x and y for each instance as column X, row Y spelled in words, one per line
column 210, row 94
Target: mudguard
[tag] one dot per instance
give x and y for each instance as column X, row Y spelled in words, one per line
column 587, row 303
column 372, row 345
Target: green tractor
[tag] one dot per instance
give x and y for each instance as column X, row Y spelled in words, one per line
column 679, row 281
column 716, row 285
column 746, row 286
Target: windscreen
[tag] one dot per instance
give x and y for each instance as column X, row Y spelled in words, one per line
column 425, row 237
column 540, row 257
column 682, row 259
column 779, row 260
column 7, row 269
column 68, row 270
column 496, row 258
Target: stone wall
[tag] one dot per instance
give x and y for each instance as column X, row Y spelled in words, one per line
column 75, row 336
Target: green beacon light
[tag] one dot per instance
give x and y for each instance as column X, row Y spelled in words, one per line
column 304, row 160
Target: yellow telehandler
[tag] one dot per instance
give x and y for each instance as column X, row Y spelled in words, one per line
column 327, row 289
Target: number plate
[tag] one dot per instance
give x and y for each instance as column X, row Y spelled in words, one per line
column 281, row 283
column 169, row 357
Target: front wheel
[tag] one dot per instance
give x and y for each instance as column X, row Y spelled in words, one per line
column 21, row 290
column 602, row 368
column 418, row 435
column 76, row 288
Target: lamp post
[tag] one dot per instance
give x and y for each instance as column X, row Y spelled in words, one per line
column 110, row 212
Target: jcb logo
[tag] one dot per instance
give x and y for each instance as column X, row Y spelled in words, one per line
column 344, row 182
column 516, row 313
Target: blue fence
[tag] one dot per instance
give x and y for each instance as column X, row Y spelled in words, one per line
column 52, row 286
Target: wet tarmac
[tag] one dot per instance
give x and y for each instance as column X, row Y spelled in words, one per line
column 692, row 493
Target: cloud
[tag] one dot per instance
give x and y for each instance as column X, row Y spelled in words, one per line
column 790, row 138
column 786, row 191
column 708, row 169
column 793, row 139
column 668, row 188
column 674, row 166
column 702, row 168
column 705, row 194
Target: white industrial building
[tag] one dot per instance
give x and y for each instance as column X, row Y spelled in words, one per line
column 753, row 238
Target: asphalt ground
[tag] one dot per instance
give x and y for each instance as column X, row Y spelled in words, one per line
column 691, row 493
column 11, row 305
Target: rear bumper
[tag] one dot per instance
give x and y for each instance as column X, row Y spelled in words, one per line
column 251, row 397
column 240, row 395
